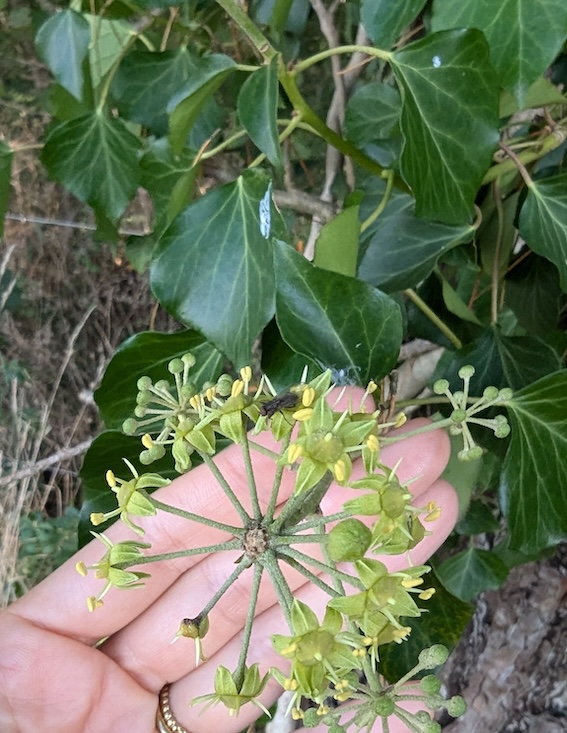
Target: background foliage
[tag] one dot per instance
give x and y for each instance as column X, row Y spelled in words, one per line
column 446, row 220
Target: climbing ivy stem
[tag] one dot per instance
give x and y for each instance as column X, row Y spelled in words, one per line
column 336, row 50
column 433, row 317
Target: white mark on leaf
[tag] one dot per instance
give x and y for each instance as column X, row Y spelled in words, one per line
column 265, row 212
column 436, row 61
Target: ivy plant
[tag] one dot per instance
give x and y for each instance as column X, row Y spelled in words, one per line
column 446, row 219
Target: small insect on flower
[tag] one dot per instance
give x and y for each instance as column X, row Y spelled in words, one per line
column 279, row 402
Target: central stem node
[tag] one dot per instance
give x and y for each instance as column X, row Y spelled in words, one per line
column 255, row 541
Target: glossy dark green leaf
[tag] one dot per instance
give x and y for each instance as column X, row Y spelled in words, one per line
column 336, row 248
column 384, row 20
column 455, row 304
column 372, row 113
column 6, row 156
column 524, row 35
column 449, row 121
column 533, row 293
column 213, row 267
column 149, row 354
column 169, row 179
column 444, row 624
column 503, row 361
column 107, row 451
column 62, row 43
column 543, row 222
column 479, row 519
column 283, row 366
column 266, row 11
column 185, row 106
column 109, row 41
column 400, row 250
column 96, row 158
column 338, row 321
column 534, row 477
column 540, row 94
column 472, row 572
column 146, row 81
column 257, row 110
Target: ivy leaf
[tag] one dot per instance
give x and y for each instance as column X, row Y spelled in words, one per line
column 257, row 107
column 534, row 477
column 543, row 222
column 6, row 156
column 169, row 179
column 502, row 361
column 472, row 572
column 282, row 365
column 213, row 267
column 338, row 321
column 185, row 106
column 449, row 121
column 400, row 250
column 146, row 81
column 62, row 43
column 444, row 624
column 372, row 113
column 109, row 39
column 96, row 158
column 533, row 293
column 149, row 354
column 518, row 25
column 336, row 248
column 384, row 20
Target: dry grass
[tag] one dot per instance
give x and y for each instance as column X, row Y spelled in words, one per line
column 79, row 300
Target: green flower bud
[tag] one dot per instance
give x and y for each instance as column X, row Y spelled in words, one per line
column 140, row 411
column 502, row 431
column 348, row 541
column 144, row 397
column 189, row 360
column 505, row 394
column 456, row 706
column 144, row 383
column 384, row 706
column 490, row 394
column 129, row 426
column 441, row 386
column 430, row 684
column 175, row 366
column 466, row 372
column 224, row 385
column 433, row 657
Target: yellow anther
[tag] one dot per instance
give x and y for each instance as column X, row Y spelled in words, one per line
column 196, row 402
column 93, row 603
column 237, row 388
column 210, row 393
column 81, row 568
column 401, row 634
column 372, row 444
column 291, row 649
column 361, row 652
column 303, row 414
column 246, row 374
column 294, row 452
column 434, row 513
column 340, row 470
column 411, row 582
column 426, row 595
column 308, row 396
column 110, row 478
column 322, row 709
column 401, row 420
column 147, row 441
column 97, row 518
column 296, row 714
column 290, row 684
column 372, row 386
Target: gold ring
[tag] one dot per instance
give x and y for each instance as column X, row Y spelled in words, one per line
column 165, row 719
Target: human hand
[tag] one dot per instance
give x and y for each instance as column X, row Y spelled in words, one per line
column 54, row 679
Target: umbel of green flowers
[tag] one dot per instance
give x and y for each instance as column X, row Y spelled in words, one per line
column 330, row 666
